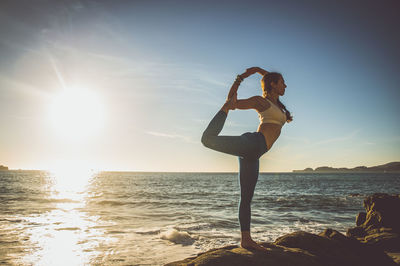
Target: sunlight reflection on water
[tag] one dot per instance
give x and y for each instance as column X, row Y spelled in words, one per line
column 61, row 236
column 70, row 184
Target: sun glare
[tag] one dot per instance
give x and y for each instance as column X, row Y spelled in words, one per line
column 71, row 177
column 76, row 114
column 71, row 180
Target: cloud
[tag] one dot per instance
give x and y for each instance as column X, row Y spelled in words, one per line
column 172, row 136
column 305, row 140
column 164, row 77
column 235, row 124
column 369, row 143
column 338, row 139
column 12, row 84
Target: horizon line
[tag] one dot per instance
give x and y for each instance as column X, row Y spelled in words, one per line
column 139, row 171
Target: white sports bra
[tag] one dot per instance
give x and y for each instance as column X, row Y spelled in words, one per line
column 272, row 115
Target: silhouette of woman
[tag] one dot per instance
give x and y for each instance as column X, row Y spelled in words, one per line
column 250, row 146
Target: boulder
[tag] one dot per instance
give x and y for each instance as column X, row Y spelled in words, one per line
column 381, row 225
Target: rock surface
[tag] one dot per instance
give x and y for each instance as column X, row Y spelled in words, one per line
column 380, row 226
column 374, row 241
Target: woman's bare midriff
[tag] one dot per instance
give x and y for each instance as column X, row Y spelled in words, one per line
column 271, row 133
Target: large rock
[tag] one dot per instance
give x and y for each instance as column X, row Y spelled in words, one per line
column 234, row 255
column 375, row 241
column 381, row 226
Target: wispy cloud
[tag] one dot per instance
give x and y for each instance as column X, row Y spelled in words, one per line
column 201, row 121
column 110, row 58
column 12, row 84
column 304, row 140
column 163, row 76
column 338, row 139
column 235, row 124
column 172, row 136
column 369, row 143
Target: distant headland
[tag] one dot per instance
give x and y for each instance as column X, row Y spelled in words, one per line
column 384, row 168
column 3, row 168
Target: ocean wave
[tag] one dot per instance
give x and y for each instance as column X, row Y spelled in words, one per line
column 303, row 202
column 357, row 195
column 148, row 231
column 12, row 220
column 68, row 229
column 116, row 232
column 111, row 203
column 50, row 200
column 178, row 237
column 223, row 223
column 194, row 226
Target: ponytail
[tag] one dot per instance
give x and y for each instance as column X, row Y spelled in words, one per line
column 289, row 117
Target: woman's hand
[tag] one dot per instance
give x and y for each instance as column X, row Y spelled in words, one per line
column 261, row 71
column 230, row 103
column 252, row 70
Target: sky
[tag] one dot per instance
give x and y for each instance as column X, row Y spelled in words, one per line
column 131, row 85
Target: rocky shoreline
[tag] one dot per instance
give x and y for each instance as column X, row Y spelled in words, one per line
column 374, row 241
column 393, row 167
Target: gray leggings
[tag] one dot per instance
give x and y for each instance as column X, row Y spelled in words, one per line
column 249, row 147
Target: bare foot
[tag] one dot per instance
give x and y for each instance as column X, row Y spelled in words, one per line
column 251, row 244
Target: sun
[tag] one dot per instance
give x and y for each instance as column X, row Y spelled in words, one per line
column 76, row 113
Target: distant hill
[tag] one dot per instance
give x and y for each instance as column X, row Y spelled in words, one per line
column 384, row 168
column 3, row 168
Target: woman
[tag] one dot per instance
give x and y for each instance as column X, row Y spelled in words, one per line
column 250, row 146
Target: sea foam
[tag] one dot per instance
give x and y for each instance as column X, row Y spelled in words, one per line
column 178, row 237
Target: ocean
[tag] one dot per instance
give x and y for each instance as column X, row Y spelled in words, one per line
column 137, row 218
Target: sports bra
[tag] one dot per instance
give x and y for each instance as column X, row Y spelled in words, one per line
column 272, row 115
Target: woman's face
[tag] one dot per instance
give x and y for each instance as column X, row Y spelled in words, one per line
column 279, row 87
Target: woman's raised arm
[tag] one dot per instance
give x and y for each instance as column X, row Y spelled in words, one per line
column 235, row 86
column 239, row 78
column 259, row 70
